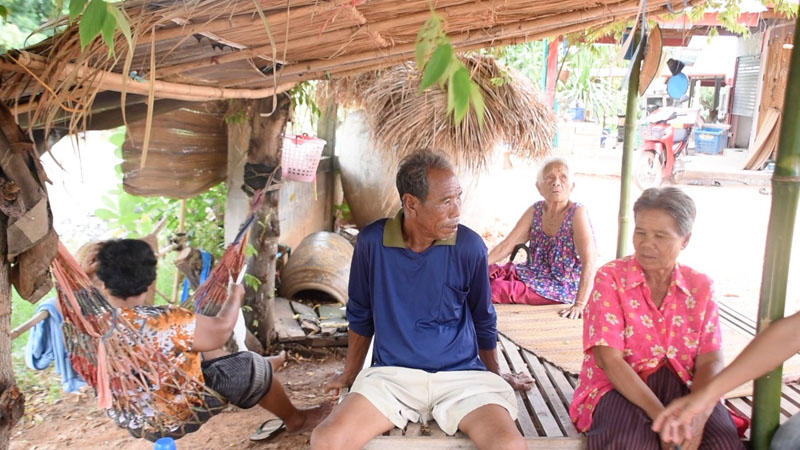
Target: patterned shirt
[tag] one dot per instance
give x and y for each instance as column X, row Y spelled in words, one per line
column 169, row 329
column 621, row 314
column 555, row 270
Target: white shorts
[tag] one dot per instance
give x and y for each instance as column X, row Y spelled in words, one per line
column 410, row 395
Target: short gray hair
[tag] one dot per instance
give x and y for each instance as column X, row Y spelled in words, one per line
column 552, row 161
column 412, row 176
column 671, row 200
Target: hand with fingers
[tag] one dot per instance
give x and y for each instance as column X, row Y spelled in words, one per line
column 335, row 384
column 573, row 312
column 519, row 381
column 682, row 421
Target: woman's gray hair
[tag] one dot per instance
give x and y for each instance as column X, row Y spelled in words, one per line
column 673, row 201
column 412, row 176
column 552, row 161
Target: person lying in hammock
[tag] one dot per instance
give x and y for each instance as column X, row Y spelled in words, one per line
column 125, row 268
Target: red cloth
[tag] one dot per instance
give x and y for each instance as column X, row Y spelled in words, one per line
column 508, row 288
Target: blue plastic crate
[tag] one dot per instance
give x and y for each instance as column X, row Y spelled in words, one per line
column 710, row 140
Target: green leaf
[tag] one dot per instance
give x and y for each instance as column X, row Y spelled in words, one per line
column 107, row 31
column 451, row 94
column 122, row 23
column 252, row 281
column 92, row 21
column 104, row 214
column 437, row 65
column 3, row 12
column 76, row 8
column 476, row 98
column 461, row 90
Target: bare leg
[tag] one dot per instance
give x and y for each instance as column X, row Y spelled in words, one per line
column 352, row 424
column 490, row 427
column 297, row 420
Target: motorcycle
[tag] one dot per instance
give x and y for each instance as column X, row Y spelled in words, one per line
column 666, row 140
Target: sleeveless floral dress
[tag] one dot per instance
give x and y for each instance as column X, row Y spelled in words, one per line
column 555, row 269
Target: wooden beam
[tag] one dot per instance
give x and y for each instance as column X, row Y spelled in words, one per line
column 30, row 323
column 164, row 89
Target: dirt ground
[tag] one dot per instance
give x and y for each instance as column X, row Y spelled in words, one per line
column 75, row 422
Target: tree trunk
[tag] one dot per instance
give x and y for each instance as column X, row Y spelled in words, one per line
column 264, row 154
column 12, row 403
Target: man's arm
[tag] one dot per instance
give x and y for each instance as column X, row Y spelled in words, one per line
column 359, row 316
column 212, row 333
column 357, row 348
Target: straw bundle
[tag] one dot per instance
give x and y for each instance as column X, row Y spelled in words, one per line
column 128, row 374
column 402, row 119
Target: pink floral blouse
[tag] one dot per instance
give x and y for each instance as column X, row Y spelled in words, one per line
column 621, row 314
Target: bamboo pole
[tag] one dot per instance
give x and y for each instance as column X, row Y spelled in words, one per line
column 783, row 214
column 163, row 89
column 631, row 111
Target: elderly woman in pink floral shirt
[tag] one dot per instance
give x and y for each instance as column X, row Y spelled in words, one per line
column 651, row 334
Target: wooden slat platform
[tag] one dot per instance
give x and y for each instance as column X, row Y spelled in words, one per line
column 543, row 411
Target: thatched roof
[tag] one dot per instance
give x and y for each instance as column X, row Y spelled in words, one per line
column 215, row 49
column 402, row 119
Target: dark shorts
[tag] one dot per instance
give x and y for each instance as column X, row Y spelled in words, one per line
column 242, row 378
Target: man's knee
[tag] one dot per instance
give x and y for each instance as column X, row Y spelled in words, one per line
column 509, row 441
column 323, row 437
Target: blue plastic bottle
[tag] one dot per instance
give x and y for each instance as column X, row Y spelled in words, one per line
column 165, row 443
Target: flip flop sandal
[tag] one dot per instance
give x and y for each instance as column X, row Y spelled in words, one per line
column 268, row 430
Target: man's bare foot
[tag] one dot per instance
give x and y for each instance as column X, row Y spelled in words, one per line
column 309, row 418
column 277, row 361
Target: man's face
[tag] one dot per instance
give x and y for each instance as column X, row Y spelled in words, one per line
column 438, row 215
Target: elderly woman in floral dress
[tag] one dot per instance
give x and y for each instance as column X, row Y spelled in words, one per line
column 561, row 245
column 651, row 331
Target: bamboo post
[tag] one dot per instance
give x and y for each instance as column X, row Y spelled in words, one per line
column 631, row 111
column 783, row 213
column 181, row 229
column 326, row 129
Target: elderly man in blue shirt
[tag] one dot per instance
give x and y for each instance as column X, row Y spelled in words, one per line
column 419, row 285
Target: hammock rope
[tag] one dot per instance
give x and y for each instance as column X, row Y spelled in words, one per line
column 130, row 375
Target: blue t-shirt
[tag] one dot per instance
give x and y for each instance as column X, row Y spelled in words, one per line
column 431, row 310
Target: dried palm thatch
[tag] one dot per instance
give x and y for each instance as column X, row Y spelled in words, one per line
column 201, row 50
column 402, row 119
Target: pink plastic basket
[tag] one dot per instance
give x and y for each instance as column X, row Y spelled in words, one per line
column 300, row 157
